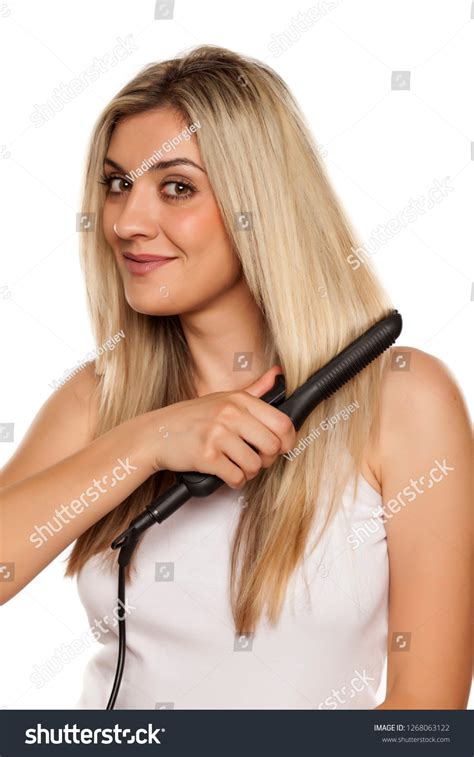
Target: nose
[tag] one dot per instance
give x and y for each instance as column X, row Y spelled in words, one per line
column 139, row 215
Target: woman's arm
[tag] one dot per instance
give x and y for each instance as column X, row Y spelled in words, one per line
column 59, row 476
column 424, row 466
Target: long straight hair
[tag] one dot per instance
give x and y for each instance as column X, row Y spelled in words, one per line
column 313, row 302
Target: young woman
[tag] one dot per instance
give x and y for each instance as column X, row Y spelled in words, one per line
column 294, row 582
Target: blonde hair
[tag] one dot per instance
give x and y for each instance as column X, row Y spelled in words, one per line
column 295, row 262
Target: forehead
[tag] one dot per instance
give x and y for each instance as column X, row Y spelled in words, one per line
column 137, row 136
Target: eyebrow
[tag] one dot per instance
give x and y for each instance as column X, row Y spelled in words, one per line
column 163, row 164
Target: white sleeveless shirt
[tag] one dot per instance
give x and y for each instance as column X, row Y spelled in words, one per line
column 327, row 650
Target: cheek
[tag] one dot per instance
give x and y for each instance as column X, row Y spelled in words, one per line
column 202, row 236
column 196, row 228
column 209, row 266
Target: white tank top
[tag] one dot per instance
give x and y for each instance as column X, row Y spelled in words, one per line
column 327, row 650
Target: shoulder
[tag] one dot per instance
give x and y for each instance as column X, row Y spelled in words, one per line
column 420, row 402
column 65, row 423
column 79, row 397
column 84, row 385
column 425, row 467
column 415, row 380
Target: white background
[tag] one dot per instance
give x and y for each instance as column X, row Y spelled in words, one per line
column 382, row 148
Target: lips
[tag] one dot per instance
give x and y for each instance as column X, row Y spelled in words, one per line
column 142, row 258
column 141, row 265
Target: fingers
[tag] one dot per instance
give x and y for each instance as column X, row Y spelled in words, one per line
column 279, row 424
column 229, row 454
column 244, row 457
column 245, row 442
column 230, row 473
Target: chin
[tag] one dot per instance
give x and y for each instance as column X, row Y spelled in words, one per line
column 151, row 305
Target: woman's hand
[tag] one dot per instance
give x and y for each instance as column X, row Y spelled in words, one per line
column 212, row 434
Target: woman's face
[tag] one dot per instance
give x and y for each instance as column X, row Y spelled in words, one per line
column 168, row 211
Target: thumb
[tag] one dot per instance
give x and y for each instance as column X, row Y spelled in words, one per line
column 264, row 383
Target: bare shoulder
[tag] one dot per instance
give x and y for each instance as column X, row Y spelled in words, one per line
column 65, row 423
column 424, row 460
column 84, row 385
column 420, row 397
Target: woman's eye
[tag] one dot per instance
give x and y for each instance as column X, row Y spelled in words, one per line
column 113, row 184
column 179, row 190
column 182, row 190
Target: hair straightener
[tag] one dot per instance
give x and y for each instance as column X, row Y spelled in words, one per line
column 302, row 402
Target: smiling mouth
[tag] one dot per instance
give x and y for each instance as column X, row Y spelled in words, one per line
column 141, row 267
column 144, row 258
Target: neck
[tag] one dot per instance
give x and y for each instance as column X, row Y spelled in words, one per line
column 225, row 339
